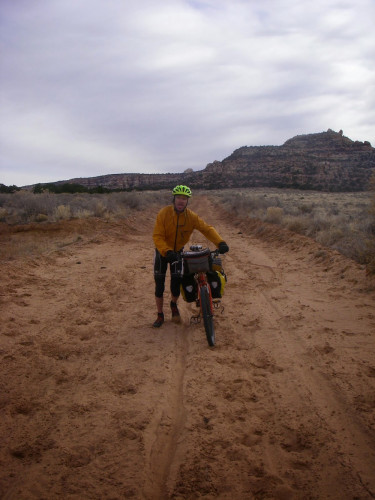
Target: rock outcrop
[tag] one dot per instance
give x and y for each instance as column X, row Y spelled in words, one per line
column 326, row 161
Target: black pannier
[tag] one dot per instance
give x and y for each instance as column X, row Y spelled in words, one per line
column 188, row 288
column 216, row 281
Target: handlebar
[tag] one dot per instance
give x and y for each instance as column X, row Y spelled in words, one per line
column 198, row 248
column 194, row 249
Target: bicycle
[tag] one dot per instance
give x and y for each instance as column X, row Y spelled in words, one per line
column 198, row 262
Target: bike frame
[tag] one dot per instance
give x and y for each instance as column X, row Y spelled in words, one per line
column 201, row 279
column 203, row 300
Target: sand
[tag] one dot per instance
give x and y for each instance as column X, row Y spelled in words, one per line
column 96, row 404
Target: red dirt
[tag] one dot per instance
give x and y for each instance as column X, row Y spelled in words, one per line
column 95, row 403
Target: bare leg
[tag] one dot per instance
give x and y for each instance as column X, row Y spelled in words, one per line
column 160, row 319
column 159, row 304
column 175, row 312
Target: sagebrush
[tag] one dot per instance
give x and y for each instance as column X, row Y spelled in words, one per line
column 342, row 221
column 23, row 207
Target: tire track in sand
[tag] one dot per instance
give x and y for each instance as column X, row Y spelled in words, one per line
column 165, row 431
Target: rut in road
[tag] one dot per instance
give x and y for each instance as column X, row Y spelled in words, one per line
column 167, row 426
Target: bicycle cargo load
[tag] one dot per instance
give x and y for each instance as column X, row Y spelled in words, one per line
column 188, row 288
column 217, row 282
column 217, row 264
column 197, row 262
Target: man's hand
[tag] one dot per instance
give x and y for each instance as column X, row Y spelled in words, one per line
column 171, row 256
column 223, row 247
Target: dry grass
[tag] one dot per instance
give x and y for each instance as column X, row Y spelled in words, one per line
column 24, row 207
column 342, row 221
column 36, row 224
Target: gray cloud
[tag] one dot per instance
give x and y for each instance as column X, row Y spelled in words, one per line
column 89, row 88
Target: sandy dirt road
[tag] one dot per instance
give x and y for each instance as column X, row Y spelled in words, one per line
column 95, row 404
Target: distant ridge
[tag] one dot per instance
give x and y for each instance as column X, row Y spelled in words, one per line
column 325, row 161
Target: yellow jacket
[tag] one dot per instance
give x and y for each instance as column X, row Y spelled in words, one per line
column 172, row 230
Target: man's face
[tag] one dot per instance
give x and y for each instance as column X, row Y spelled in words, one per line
column 180, row 202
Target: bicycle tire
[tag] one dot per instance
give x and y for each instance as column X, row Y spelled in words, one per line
column 206, row 309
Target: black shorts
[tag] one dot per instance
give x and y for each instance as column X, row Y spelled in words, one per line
column 160, row 271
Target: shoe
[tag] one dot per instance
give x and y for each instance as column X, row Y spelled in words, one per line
column 175, row 313
column 159, row 320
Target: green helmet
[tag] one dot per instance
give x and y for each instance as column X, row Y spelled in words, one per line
column 184, row 190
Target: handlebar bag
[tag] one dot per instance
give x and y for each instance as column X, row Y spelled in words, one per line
column 198, row 261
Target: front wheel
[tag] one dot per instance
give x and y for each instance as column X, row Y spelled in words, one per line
column 206, row 308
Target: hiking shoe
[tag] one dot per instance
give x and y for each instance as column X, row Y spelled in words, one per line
column 175, row 313
column 159, row 320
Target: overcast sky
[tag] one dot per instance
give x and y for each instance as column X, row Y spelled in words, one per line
column 93, row 87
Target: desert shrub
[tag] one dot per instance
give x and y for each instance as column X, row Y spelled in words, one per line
column 62, row 212
column 132, row 200
column 307, row 208
column 297, row 224
column 353, row 247
column 316, row 224
column 23, row 207
column 100, row 208
column 83, row 213
column 3, row 213
column 329, row 236
column 30, row 206
column 249, row 204
column 342, row 221
column 41, row 218
column 4, row 198
column 274, row 215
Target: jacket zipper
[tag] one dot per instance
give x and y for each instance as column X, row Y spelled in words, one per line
column 175, row 239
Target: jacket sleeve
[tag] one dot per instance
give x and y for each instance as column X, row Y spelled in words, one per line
column 208, row 231
column 159, row 234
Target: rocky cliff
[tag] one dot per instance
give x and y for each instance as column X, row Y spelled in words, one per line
column 326, row 161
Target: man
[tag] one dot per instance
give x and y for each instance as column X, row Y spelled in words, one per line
column 173, row 228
